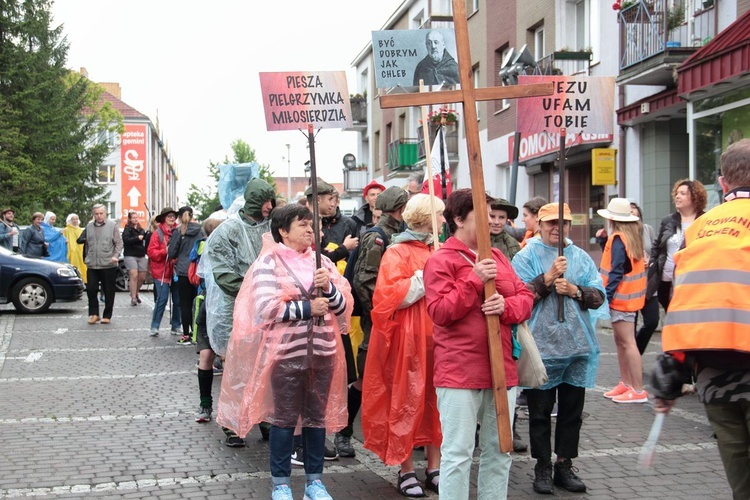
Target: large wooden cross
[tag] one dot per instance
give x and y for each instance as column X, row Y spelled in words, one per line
column 468, row 95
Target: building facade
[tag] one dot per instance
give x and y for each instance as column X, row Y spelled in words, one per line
column 139, row 173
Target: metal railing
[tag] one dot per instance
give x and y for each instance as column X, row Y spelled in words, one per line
column 651, row 27
column 402, row 154
column 568, row 63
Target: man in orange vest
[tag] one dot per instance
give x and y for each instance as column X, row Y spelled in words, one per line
column 708, row 322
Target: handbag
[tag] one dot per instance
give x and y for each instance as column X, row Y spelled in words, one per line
column 531, row 371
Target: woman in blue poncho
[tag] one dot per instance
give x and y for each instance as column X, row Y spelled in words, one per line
column 58, row 246
column 569, row 349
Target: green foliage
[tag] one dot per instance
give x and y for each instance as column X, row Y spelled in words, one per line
column 204, row 200
column 49, row 118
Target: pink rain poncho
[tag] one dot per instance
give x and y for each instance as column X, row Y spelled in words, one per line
column 285, row 372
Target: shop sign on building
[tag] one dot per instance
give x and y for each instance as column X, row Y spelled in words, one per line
column 133, row 171
column 603, row 166
column 543, row 143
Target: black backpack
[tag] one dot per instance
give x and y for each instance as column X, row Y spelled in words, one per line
column 351, row 263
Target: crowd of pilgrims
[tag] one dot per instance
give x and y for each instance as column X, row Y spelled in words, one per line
column 391, row 324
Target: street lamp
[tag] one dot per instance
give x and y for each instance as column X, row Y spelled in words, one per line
column 289, row 174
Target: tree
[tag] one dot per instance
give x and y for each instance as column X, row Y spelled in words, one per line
column 205, row 200
column 50, row 118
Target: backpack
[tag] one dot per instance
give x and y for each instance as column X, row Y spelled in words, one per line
column 195, row 258
column 351, row 263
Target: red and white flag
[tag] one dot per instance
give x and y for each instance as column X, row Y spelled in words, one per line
column 437, row 178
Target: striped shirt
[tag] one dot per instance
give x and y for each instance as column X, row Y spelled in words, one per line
column 283, row 301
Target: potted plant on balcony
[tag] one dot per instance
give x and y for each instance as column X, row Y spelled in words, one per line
column 446, row 116
column 675, row 19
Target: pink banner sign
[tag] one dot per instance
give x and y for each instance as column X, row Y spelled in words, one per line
column 294, row 100
column 579, row 104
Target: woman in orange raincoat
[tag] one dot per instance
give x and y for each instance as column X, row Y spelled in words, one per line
column 399, row 405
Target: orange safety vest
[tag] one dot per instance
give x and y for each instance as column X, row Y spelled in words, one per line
column 710, row 308
column 630, row 295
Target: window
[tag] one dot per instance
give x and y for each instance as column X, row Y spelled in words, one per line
column 111, row 209
column 109, row 137
column 474, row 6
column 105, row 174
column 539, row 43
column 500, row 57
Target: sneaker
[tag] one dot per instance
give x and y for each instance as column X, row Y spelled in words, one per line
column 282, row 492
column 521, row 399
column 218, row 366
column 344, row 445
column 233, row 440
column 316, row 491
column 133, row 302
column 631, row 396
column 565, row 477
column 154, row 332
column 203, row 414
column 185, row 340
column 330, row 453
column 620, row 388
column 176, row 331
column 297, row 456
column 543, row 478
column 138, row 298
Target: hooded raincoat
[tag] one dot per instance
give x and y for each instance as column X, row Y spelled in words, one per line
column 75, row 251
column 569, row 350
column 229, row 251
column 399, row 403
column 58, row 247
column 283, row 366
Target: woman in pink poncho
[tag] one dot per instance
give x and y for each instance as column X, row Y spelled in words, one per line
column 285, row 361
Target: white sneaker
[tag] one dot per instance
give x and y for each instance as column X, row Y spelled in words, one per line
column 154, row 332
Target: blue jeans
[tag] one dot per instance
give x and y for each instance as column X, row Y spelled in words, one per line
column 280, row 444
column 162, row 295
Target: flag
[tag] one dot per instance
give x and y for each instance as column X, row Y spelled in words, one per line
column 437, row 170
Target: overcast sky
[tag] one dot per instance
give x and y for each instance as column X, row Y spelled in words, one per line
column 197, row 63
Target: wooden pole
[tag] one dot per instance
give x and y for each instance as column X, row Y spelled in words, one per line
column 560, row 218
column 481, row 215
column 428, row 157
column 314, row 183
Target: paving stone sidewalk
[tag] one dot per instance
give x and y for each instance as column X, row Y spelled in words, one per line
column 105, row 411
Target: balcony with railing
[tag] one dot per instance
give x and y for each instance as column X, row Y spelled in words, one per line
column 565, row 62
column 402, row 156
column 359, row 113
column 657, row 35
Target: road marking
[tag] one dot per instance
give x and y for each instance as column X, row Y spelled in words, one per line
column 6, row 332
column 34, row 356
column 60, row 331
column 693, row 417
column 100, row 349
column 93, row 377
column 95, row 418
column 368, row 461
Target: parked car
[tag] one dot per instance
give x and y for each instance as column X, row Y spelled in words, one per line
column 34, row 284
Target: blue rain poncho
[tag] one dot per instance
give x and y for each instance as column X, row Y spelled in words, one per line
column 569, row 350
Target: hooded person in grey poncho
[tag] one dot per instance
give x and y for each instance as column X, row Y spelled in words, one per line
column 229, row 252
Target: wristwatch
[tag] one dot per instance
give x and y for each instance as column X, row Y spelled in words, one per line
column 579, row 294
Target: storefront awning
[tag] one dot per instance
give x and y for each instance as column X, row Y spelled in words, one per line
column 726, row 56
column 650, row 108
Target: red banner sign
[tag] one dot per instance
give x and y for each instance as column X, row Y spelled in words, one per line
column 542, row 143
column 133, row 171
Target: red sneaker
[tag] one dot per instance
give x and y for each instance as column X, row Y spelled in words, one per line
column 631, row 396
column 620, row 388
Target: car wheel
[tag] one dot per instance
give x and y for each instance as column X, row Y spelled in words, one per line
column 32, row 295
column 122, row 279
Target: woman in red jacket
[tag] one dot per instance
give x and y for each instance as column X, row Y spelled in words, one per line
column 161, row 268
column 454, row 281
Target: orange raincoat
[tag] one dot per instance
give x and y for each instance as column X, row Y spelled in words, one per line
column 399, row 403
column 261, row 346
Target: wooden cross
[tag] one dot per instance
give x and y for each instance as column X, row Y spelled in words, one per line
column 468, row 95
